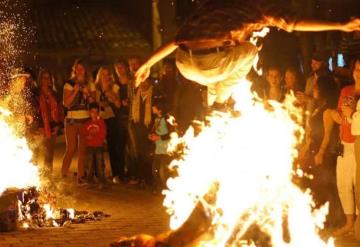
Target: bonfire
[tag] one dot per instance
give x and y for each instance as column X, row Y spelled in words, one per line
column 234, row 184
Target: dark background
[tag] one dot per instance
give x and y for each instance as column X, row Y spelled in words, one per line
column 105, row 30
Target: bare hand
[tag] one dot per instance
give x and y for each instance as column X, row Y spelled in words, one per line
column 110, row 96
column 352, row 25
column 85, row 90
column 154, row 137
column 142, row 74
column 347, row 111
column 124, row 102
column 76, row 87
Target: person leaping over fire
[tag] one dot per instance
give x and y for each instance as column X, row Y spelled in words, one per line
column 213, row 49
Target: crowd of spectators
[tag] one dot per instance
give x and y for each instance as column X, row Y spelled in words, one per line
column 108, row 114
column 329, row 100
column 102, row 112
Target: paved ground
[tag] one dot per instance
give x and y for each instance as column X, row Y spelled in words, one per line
column 132, row 211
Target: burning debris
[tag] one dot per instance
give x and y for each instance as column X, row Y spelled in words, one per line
column 26, row 208
column 30, row 205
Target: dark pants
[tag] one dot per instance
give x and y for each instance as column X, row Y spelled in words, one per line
column 144, row 147
column 114, row 147
column 131, row 151
column 160, row 170
column 95, row 163
column 122, row 123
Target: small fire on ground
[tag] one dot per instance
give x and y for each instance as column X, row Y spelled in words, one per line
column 24, row 202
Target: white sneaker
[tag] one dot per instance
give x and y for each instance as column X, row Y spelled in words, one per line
column 116, row 180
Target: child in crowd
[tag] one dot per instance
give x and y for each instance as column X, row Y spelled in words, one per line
column 95, row 133
column 160, row 134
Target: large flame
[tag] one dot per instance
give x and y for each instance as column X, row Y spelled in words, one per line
column 17, row 171
column 246, row 162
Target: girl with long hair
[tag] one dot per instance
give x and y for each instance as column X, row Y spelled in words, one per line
column 78, row 92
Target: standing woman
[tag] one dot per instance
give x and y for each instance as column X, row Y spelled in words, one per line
column 346, row 167
column 107, row 95
column 323, row 184
column 346, row 163
column 51, row 116
column 78, row 92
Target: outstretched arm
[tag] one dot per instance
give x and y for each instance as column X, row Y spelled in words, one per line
column 312, row 25
column 144, row 71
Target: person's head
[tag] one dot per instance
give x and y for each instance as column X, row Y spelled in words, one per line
column 104, row 77
column 134, row 64
column 145, row 85
column 273, row 76
column 167, row 69
column 79, row 71
column 326, row 89
column 94, row 110
column 159, row 106
column 355, row 69
column 45, row 80
column 292, row 79
column 121, row 68
column 318, row 61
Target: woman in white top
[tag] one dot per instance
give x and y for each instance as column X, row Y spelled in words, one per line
column 78, row 92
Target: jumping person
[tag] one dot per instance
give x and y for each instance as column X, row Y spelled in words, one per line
column 213, row 47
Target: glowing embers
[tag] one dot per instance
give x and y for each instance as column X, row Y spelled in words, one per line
column 34, row 213
column 239, row 169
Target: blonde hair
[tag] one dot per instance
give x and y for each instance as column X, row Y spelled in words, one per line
column 88, row 77
column 99, row 74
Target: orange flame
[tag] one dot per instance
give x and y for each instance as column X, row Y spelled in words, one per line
column 249, row 159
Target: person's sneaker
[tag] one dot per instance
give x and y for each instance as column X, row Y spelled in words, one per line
column 116, row 180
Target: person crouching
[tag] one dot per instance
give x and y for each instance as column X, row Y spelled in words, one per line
column 95, row 134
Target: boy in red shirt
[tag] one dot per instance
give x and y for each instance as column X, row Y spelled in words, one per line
column 95, row 133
